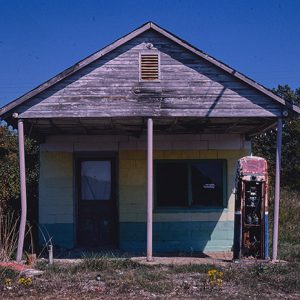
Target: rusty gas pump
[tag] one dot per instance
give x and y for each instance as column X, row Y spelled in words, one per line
column 251, row 209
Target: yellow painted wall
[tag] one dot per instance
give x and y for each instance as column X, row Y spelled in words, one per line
column 132, row 183
column 56, row 188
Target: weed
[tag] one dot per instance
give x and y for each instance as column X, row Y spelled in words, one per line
column 215, row 278
column 41, row 265
column 103, row 263
column 6, row 273
column 257, row 270
column 8, row 235
column 191, row 268
column 143, row 278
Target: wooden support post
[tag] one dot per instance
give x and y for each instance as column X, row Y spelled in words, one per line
column 22, row 189
column 277, row 189
column 149, row 187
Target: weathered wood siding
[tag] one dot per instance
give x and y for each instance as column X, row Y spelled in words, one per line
column 188, row 86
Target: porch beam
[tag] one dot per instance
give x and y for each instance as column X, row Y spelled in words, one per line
column 277, row 189
column 149, row 187
column 83, row 127
column 57, row 129
column 22, row 189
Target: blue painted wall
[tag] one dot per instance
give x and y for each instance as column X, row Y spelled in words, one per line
column 61, row 234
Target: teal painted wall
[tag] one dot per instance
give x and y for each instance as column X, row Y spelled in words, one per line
column 187, row 237
column 62, row 234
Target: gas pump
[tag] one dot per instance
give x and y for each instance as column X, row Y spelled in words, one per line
column 251, row 209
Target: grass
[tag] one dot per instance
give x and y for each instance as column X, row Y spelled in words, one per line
column 281, row 278
column 121, row 279
column 118, row 274
column 289, row 225
column 191, row 268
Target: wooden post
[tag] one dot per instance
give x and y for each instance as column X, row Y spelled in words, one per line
column 22, row 189
column 149, row 187
column 277, row 189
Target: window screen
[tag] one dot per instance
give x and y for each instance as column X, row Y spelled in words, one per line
column 96, row 180
column 171, row 184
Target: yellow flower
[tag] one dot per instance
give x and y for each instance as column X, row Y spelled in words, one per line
column 21, row 280
column 25, row 281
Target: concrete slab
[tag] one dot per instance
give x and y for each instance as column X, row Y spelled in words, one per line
column 210, row 258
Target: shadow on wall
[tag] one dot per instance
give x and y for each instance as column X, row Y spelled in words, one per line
column 189, row 237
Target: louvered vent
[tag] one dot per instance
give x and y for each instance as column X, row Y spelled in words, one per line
column 149, row 67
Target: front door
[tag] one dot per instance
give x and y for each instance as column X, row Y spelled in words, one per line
column 97, row 213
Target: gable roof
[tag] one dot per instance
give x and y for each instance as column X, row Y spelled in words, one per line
column 149, row 25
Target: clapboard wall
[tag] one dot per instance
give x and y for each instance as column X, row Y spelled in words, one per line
column 206, row 229
column 188, row 86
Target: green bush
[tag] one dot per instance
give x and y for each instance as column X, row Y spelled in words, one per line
column 9, row 170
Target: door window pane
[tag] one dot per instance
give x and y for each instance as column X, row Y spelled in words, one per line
column 96, row 180
column 207, row 183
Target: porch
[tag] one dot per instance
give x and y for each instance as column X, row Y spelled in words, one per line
column 139, row 226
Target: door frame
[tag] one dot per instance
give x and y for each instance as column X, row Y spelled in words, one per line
column 95, row 155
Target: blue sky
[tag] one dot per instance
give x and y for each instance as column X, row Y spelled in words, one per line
column 39, row 38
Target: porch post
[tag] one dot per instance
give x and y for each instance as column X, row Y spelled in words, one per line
column 22, row 189
column 149, row 187
column 277, row 189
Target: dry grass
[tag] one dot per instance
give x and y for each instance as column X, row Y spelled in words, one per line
column 8, row 235
column 289, row 225
column 122, row 278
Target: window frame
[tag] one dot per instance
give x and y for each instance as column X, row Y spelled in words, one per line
column 149, row 52
column 190, row 206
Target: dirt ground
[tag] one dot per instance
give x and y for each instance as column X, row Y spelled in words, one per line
column 123, row 278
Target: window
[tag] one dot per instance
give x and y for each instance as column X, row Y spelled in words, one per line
column 95, row 180
column 190, row 183
column 149, row 67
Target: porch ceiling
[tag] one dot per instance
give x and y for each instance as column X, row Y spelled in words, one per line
column 136, row 126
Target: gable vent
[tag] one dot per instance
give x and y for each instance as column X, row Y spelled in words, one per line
column 149, row 67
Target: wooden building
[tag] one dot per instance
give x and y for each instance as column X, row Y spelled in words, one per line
column 148, row 99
